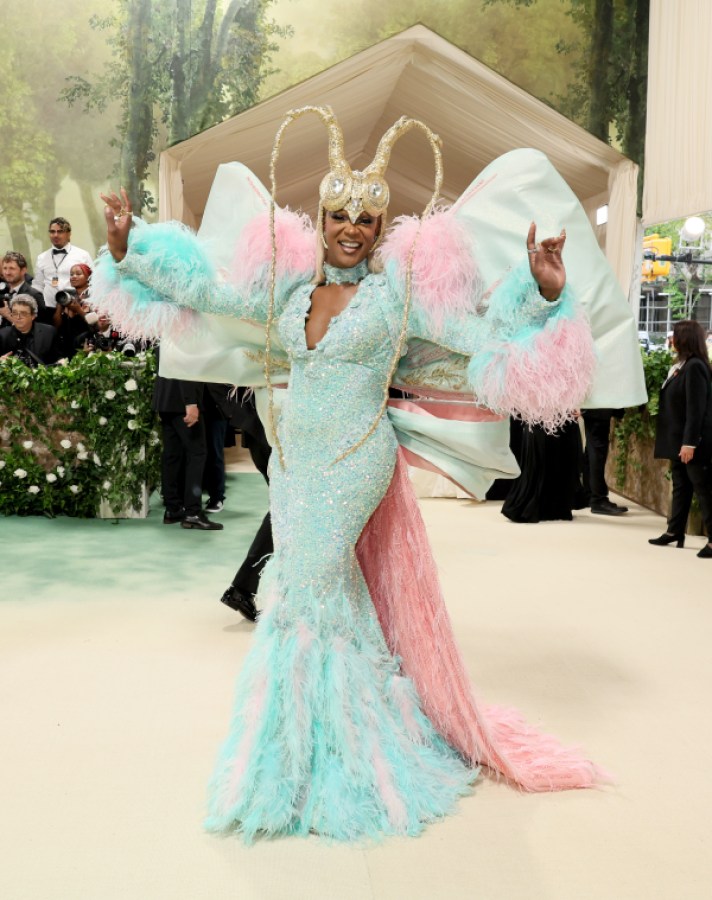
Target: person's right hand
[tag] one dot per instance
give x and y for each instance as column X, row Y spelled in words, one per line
column 192, row 414
column 118, row 215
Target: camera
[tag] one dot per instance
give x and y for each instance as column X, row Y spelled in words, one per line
column 64, row 298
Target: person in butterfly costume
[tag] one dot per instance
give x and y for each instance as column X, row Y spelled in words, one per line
column 346, row 723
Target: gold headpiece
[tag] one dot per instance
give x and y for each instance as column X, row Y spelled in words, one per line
column 356, row 192
column 359, row 191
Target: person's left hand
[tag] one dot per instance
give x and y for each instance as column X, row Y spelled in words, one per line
column 546, row 264
column 686, row 453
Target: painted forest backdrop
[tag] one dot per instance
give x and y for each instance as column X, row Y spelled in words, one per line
column 110, row 83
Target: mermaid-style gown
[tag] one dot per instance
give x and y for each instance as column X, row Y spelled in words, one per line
column 329, row 735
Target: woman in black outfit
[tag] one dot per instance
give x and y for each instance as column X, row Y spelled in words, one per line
column 684, row 433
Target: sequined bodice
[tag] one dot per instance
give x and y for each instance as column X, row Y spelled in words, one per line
column 361, row 333
column 338, row 386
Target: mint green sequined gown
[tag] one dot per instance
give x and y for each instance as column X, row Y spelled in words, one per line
column 328, row 736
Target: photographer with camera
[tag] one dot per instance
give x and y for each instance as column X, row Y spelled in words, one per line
column 71, row 310
column 13, row 269
column 31, row 341
column 70, row 321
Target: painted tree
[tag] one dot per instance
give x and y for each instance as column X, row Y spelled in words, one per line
column 176, row 69
column 24, row 153
column 42, row 141
column 607, row 94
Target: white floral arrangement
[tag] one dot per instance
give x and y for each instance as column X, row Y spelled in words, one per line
column 67, row 443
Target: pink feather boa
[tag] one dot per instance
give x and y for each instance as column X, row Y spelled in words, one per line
column 445, row 277
column 296, row 247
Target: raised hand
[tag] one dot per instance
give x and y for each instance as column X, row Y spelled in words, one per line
column 546, row 264
column 119, row 216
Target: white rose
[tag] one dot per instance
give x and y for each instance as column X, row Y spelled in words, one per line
column 33, row 489
column 28, row 445
column 2, row 463
column 60, row 471
column 131, row 425
column 65, row 443
column 103, row 420
column 20, row 473
column 106, row 485
column 97, row 461
column 131, row 410
column 74, row 488
column 131, row 385
column 51, row 477
column 74, row 404
column 83, row 455
column 80, row 447
column 109, row 394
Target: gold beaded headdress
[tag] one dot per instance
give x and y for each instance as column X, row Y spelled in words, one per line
column 355, row 192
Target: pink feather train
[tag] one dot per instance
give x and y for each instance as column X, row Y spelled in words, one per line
column 398, row 566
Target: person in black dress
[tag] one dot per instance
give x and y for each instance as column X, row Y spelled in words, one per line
column 549, row 486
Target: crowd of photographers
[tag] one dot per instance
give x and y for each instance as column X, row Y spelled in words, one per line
column 47, row 316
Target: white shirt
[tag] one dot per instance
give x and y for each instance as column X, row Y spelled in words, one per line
column 50, row 266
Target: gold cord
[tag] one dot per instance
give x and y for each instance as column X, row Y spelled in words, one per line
column 342, row 176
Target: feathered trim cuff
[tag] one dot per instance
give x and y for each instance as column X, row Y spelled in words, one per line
column 165, row 269
column 534, row 359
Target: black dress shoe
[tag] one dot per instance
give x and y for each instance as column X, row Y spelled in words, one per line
column 201, row 522
column 172, row 517
column 241, row 603
column 606, row 508
column 705, row 552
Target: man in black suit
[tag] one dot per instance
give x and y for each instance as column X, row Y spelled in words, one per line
column 178, row 404
column 31, row 341
column 14, row 274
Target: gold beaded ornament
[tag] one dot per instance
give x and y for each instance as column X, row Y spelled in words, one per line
column 355, row 192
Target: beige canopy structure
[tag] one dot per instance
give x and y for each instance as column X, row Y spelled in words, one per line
column 478, row 114
column 678, row 136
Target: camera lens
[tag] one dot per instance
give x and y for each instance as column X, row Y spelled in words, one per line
column 64, row 298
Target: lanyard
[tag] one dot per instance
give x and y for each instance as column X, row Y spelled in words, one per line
column 54, row 259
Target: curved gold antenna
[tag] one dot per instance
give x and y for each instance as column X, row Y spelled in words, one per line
column 385, row 146
column 336, row 159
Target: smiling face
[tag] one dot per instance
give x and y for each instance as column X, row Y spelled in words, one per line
column 347, row 244
column 78, row 279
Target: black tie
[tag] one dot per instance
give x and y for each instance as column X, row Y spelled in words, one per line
column 55, row 252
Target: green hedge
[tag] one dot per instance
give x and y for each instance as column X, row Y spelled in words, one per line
column 76, row 434
column 641, row 421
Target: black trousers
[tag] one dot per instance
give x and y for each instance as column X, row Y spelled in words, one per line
column 182, row 463
column 688, row 479
column 247, row 577
column 214, row 476
column 594, row 471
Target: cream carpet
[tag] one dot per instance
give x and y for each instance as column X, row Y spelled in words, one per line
column 117, row 665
